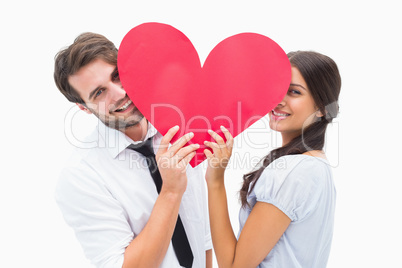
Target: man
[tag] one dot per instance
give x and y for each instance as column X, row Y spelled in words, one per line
column 107, row 194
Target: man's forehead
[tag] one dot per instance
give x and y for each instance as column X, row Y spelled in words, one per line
column 97, row 71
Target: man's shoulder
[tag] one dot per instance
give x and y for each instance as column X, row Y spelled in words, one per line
column 83, row 157
column 79, row 174
column 97, row 144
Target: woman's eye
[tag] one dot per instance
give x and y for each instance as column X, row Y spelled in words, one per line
column 294, row 91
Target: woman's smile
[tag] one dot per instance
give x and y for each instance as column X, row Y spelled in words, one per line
column 278, row 115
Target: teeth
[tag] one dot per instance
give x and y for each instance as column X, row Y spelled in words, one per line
column 279, row 114
column 124, row 107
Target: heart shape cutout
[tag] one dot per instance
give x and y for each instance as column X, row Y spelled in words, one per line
column 243, row 78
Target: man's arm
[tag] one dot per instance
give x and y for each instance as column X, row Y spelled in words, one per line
column 149, row 248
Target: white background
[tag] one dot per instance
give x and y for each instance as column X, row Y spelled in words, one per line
column 363, row 37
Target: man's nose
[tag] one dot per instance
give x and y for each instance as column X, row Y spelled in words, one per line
column 116, row 91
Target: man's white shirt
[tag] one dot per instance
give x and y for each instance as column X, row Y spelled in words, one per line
column 106, row 194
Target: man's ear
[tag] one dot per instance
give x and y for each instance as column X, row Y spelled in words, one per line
column 83, row 108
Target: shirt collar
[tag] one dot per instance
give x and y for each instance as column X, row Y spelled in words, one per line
column 116, row 141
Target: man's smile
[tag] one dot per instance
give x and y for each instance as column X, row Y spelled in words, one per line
column 124, row 106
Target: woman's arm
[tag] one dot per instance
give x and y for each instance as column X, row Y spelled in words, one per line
column 263, row 228
column 208, row 258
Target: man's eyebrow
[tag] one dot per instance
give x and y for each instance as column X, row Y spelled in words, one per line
column 297, row 85
column 113, row 73
column 93, row 92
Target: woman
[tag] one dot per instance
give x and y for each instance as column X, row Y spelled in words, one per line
column 288, row 204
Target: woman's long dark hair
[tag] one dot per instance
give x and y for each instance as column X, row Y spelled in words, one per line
column 324, row 83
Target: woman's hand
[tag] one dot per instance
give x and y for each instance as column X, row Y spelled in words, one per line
column 172, row 162
column 219, row 159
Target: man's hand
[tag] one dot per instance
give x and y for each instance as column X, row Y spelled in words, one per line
column 149, row 248
column 172, row 162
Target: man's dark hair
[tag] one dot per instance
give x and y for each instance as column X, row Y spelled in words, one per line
column 86, row 48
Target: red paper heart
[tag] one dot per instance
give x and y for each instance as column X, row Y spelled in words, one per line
column 243, row 78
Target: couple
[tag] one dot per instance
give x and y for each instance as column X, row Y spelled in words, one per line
column 124, row 216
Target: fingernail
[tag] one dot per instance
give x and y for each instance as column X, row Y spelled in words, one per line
column 223, row 128
column 209, row 131
column 176, row 127
column 196, row 145
column 191, row 134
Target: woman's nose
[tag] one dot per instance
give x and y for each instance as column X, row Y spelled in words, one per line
column 283, row 102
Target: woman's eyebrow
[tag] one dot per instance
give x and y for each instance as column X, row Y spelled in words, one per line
column 297, row 85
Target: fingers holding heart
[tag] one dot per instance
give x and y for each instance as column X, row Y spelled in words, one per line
column 184, row 155
column 221, row 150
column 176, row 153
column 172, row 162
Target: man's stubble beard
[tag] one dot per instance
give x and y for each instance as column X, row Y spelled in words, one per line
column 120, row 123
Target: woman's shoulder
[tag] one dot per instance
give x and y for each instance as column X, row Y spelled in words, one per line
column 296, row 168
column 300, row 162
column 291, row 180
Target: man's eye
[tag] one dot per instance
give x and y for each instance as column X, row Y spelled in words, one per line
column 116, row 76
column 98, row 93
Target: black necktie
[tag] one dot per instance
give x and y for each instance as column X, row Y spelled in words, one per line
column 180, row 242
